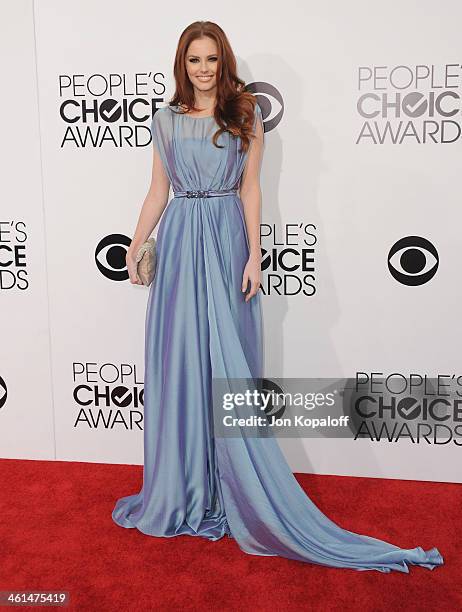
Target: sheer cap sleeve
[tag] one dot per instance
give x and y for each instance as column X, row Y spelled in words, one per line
column 154, row 127
column 258, row 117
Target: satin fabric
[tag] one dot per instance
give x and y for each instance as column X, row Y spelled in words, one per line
column 199, row 327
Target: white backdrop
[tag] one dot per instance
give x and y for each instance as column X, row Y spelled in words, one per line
column 79, row 83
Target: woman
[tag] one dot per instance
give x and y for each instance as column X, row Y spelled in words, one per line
column 204, row 321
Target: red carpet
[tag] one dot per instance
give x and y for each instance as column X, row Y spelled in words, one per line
column 57, row 533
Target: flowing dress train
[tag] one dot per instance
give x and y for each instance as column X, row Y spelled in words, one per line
column 199, row 327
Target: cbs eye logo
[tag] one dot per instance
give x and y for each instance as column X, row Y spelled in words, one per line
column 3, row 392
column 413, row 261
column 270, row 101
column 110, row 256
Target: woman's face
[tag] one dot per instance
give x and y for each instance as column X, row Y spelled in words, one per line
column 201, row 63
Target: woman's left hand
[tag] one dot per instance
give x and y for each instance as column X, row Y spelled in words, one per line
column 252, row 273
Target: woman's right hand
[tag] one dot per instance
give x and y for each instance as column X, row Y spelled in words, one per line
column 130, row 260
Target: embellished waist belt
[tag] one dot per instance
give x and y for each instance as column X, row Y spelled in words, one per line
column 204, row 193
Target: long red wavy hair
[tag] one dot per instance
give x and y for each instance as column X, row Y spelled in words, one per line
column 235, row 107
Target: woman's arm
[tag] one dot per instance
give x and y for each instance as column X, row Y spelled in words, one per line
column 151, row 211
column 250, row 194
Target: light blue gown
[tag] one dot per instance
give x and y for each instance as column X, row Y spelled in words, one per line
column 198, row 326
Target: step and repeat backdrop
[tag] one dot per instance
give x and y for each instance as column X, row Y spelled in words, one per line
column 361, row 215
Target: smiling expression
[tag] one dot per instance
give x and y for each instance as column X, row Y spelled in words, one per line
column 201, row 63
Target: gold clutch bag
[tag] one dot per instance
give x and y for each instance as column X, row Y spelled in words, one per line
column 146, row 260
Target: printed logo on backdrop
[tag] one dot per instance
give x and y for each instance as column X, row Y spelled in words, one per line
column 270, row 101
column 413, row 261
column 418, row 104
column 288, row 259
column 13, row 255
column 110, row 255
column 113, row 109
column 3, row 392
column 107, row 396
column 414, row 408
